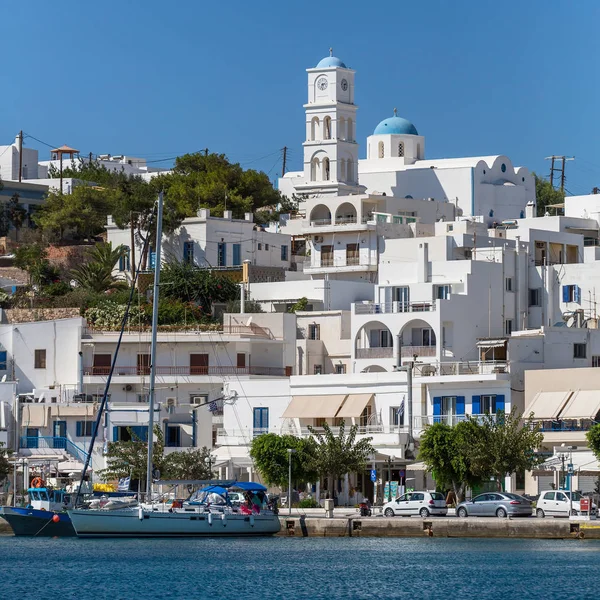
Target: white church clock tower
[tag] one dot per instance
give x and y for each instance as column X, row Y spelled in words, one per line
column 330, row 149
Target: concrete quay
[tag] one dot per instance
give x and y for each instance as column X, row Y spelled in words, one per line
column 356, row 526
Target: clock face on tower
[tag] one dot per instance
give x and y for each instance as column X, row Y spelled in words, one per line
column 322, row 83
column 344, row 84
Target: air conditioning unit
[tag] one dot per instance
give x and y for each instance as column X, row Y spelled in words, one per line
column 128, row 387
column 171, row 402
column 318, row 239
column 198, row 400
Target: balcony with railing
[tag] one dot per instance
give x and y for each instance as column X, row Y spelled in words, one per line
column 409, row 351
column 121, row 371
column 376, row 308
column 382, row 352
column 353, row 261
column 420, row 422
column 474, row 367
column 51, row 446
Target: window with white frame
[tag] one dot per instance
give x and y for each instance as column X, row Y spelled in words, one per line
column 508, row 326
column 442, row 292
column 596, row 361
column 508, row 284
column 579, row 350
column 488, row 404
column 396, row 416
column 314, row 331
column 535, row 296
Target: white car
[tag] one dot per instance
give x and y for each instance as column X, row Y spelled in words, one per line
column 417, row 503
column 557, row 504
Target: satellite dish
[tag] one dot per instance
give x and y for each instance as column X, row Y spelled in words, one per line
column 571, row 321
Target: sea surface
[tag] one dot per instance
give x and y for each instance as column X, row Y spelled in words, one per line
column 298, row 568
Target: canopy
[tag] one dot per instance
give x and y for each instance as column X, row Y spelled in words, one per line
column 354, row 405
column 34, row 415
column 582, row 404
column 213, row 489
column 311, row 407
column 547, row 405
column 491, row 343
column 249, row 486
column 70, row 466
column 66, row 410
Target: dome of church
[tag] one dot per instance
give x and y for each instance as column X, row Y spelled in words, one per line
column 396, row 125
column 330, row 61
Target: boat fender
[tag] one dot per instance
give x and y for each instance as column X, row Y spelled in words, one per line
column 140, row 513
column 251, row 520
column 210, row 518
column 224, row 519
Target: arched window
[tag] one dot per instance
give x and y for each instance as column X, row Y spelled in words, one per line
column 314, row 128
column 326, row 173
column 350, row 131
column 380, row 150
column 350, row 171
column 327, row 128
column 419, row 151
column 314, row 169
column 342, row 129
column 343, row 169
column 400, row 148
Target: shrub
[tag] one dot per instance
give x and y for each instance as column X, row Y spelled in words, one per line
column 57, row 288
column 108, row 316
column 308, row 503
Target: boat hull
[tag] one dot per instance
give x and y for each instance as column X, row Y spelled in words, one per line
column 127, row 523
column 33, row 522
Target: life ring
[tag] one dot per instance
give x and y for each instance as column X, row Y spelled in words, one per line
column 37, row 482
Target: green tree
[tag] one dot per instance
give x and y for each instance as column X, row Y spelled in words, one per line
column 13, row 214
column 451, row 455
column 270, row 455
column 33, row 258
column 336, row 455
column 545, row 195
column 130, row 458
column 79, row 215
column 508, row 445
column 299, row 306
column 97, row 273
column 188, row 464
column 190, row 284
column 593, row 439
column 5, row 465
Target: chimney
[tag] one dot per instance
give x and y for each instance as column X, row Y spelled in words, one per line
column 422, row 262
column 227, row 214
column 204, row 213
column 530, row 210
column 249, row 217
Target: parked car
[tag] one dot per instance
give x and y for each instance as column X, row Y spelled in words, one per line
column 417, row 503
column 558, row 504
column 499, row 504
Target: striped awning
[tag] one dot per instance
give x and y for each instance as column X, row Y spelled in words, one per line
column 314, row 407
column 34, row 415
column 354, row 405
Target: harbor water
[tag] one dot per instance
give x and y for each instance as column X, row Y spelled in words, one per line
column 298, row 568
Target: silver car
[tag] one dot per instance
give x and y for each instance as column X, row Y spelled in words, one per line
column 495, row 504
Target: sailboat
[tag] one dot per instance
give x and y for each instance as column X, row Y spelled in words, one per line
column 179, row 519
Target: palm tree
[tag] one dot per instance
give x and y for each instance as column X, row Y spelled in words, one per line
column 96, row 274
column 336, row 455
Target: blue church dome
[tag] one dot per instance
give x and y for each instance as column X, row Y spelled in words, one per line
column 396, row 125
column 330, row 61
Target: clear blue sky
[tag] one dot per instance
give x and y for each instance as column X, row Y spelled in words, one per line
column 157, row 79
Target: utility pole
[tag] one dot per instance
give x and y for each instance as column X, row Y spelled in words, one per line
column 562, row 160
column 20, row 155
column 132, row 250
column 205, row 151
column 283, row 168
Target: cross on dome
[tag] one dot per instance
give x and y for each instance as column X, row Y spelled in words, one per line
column 395, row 112
column 330, row 51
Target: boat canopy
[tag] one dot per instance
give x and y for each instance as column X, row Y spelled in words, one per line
column 249, row 486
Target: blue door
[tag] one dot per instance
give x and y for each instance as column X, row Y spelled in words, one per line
column 60, row 434
column 31, row 437
column 261, row 421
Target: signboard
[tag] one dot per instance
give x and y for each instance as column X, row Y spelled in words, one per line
column 394, row 487
column 373, row 475
column 386, row 491
column 584, row 504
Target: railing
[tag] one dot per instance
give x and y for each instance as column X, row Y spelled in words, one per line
column 242, row 330
column 420, row 422
column 53, row 443
column 420, row 351
column 345, row 220
column 579, row 424
column 251, row 329
column 187, row 370
column 320, row 222
column 330, row 262
column 386, row 352
column 374, row 308
column 461, row 368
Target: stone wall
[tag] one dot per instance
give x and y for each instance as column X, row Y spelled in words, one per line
column 30, row 315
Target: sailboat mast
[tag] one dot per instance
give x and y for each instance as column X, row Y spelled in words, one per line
column 152, row 394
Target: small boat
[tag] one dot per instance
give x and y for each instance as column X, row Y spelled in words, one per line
column 45, row 516
column 195, row 517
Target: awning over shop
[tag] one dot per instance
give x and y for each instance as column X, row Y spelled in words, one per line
column 70, row 466
column 583, row 462
column 547, row 405
column 582, row 404
column 34, row 415
column 236, row 455
column 313, row 407
column 418, row 466
column 354, row 405
column 70, row 410
column 492, row 343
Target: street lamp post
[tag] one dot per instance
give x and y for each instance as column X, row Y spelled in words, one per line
column 290, row 452
column 208, row 462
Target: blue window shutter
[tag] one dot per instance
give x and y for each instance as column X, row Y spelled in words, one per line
column 476, row 405
column 499, row 403
column 460, row 405
column 577, row 294
column 78, row 429
column 565, row 293
column 152, row 260
column 437, row 409
column 237, row 255
column 115, row 434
